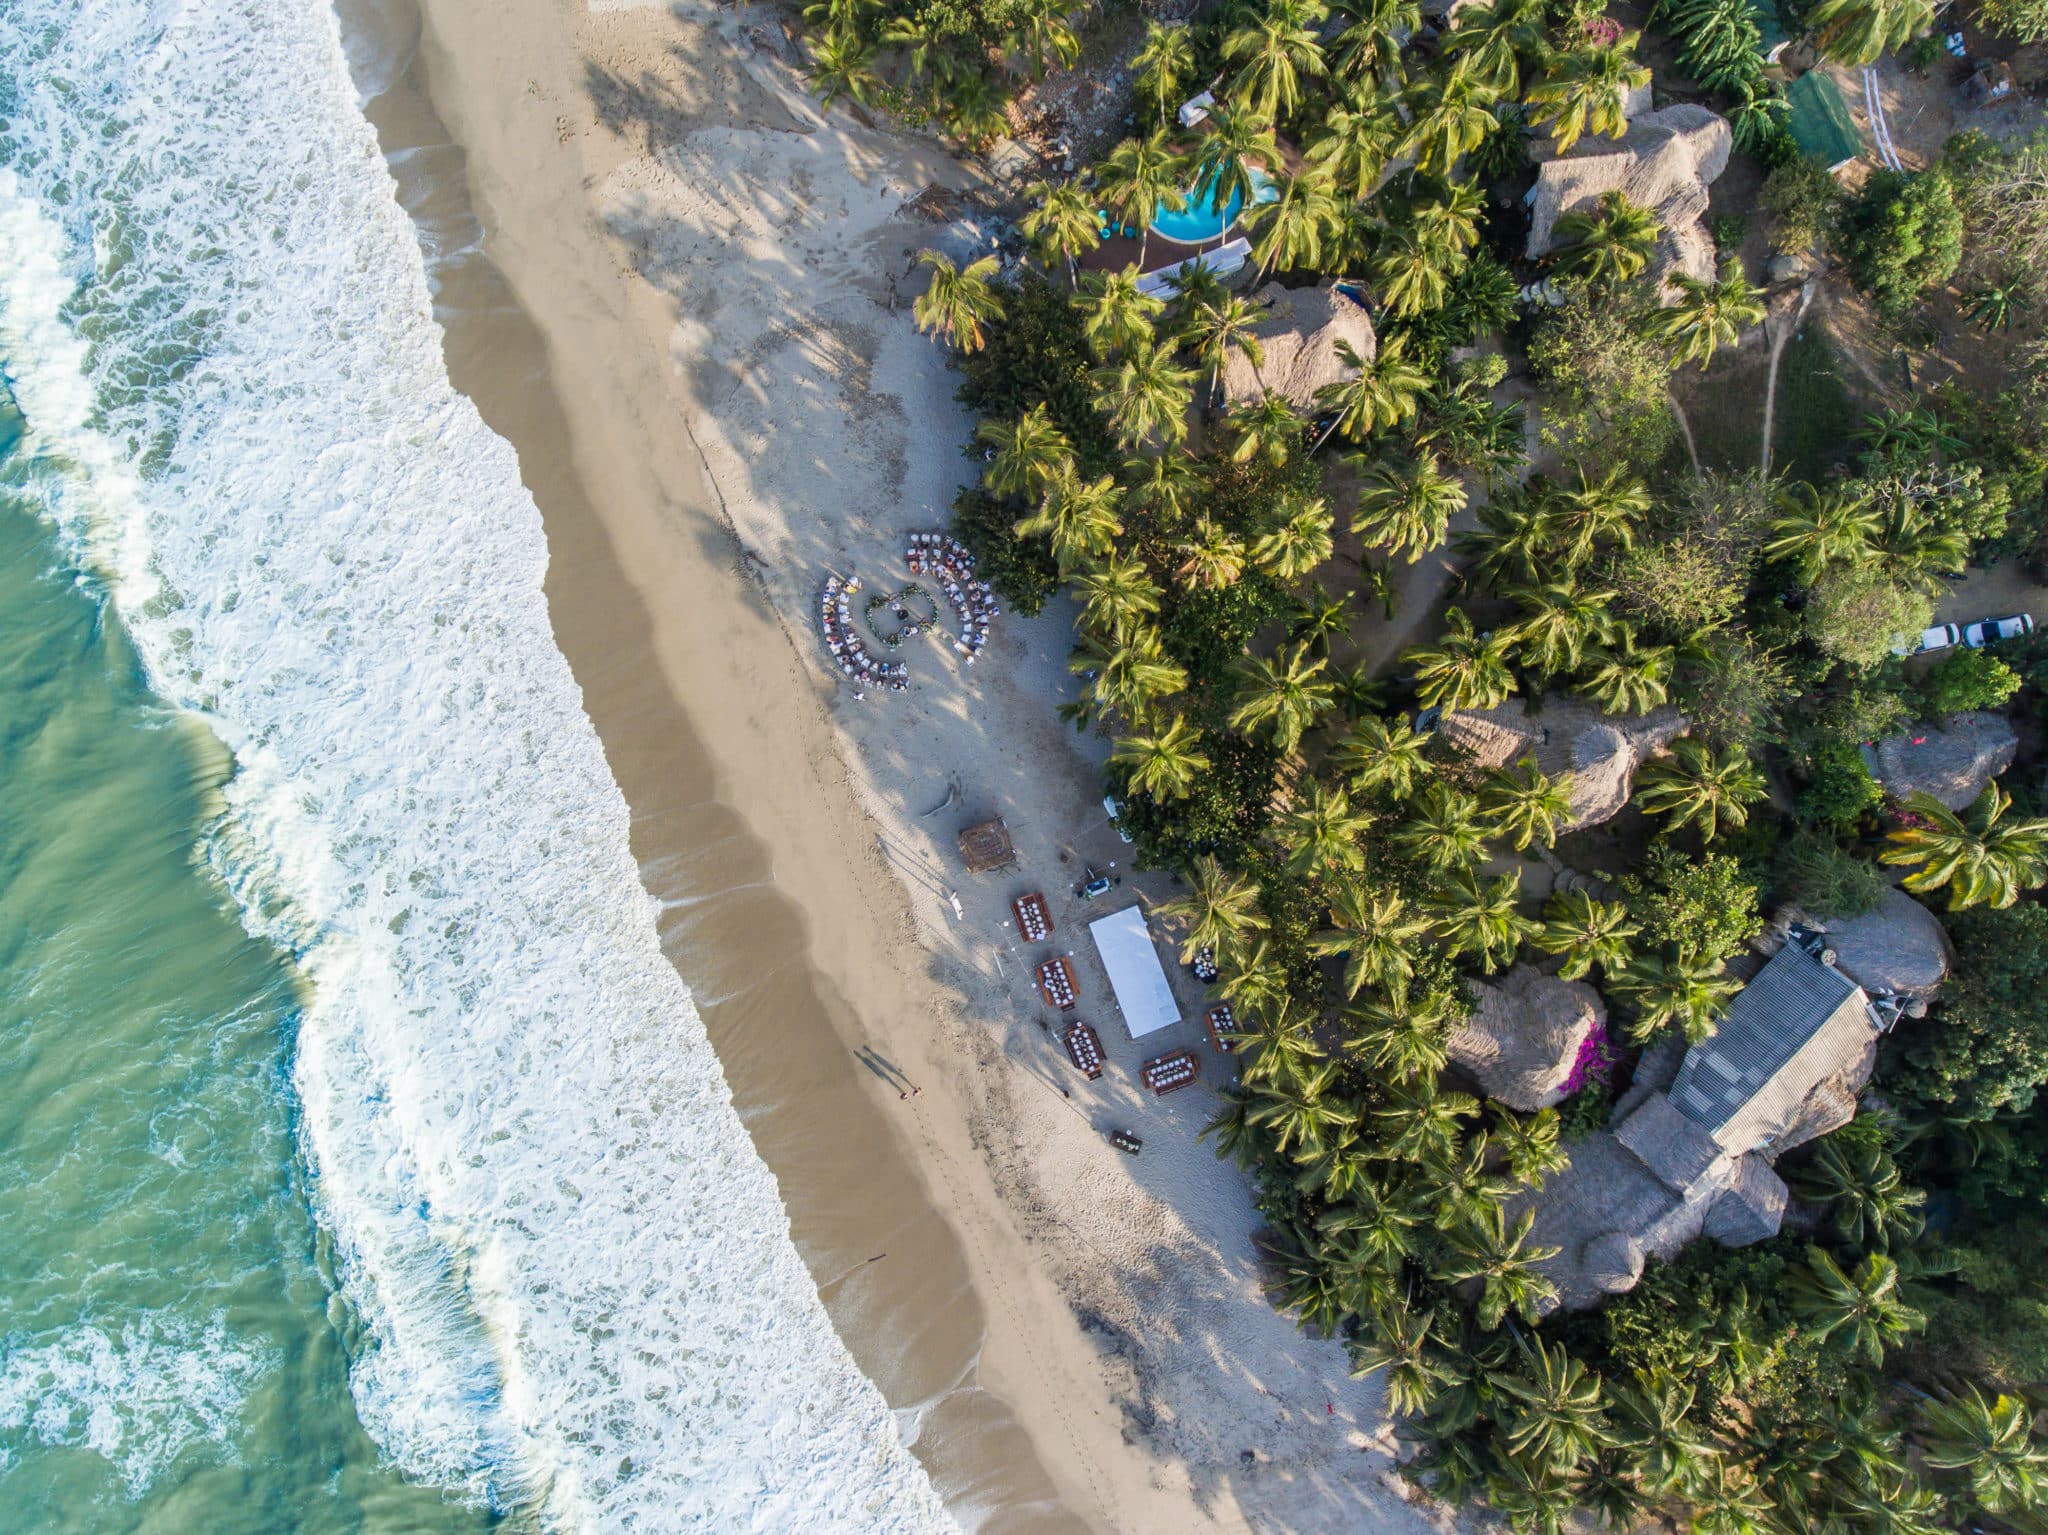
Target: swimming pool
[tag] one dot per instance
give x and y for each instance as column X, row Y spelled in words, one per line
column 1202, row 220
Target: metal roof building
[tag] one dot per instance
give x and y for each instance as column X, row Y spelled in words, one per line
column 1799, row 1023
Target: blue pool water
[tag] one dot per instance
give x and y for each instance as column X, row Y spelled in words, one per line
column 1202, row 219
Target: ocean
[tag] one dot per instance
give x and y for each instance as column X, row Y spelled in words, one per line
column 363, row 1162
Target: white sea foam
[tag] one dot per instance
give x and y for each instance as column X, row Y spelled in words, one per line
column 572, row 1275
column 138, row 1399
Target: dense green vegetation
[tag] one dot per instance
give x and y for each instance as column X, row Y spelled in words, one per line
column 1352, row 872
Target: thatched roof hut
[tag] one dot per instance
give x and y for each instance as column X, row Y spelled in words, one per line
column 1953, row 763
column 1600, row 752
column 1665, row 162
column 1524, row 1036
column 1298, row 345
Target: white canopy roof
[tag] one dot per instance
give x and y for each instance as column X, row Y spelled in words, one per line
column 1135, row 974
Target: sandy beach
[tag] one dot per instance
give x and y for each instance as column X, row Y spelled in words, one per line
column 683, row 295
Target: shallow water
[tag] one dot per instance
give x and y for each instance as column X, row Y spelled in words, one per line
column 465, row 1178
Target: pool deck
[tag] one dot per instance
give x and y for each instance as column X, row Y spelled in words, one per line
column 1117, row 252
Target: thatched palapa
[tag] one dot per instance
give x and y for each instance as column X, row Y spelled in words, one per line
column 1523, row 1037
column 1600, row 752
column 1953, row 763
column 1298, row 346
column 1665, row 162
column 1899, row 949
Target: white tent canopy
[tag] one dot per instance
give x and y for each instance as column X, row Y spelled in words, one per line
column 1135, row 974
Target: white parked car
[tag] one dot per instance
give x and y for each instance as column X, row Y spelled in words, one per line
column 1116, row 817
column 1940, row 637
column 1985, row 631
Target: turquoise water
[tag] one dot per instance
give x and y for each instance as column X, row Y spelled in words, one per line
column 1201, row 219
column 170, row 1359
column 453, row 1212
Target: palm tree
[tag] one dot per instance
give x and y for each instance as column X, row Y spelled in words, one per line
column 1689, row 990
column 1233, row 139
column 1709, row 315
column 1146, row 394
column 1063, row 222
column 1611, row 242
column 1587, row 931
column 1137, row 179
column 1856, row 32
column 1866, row 1307
column 1163, row 484
column 1465, row 669
column 1982, row 857
column 1993, row 1442
column 1653, row 1429
column 1443, row 830
column 971, row 108
column 1360, row 134
column 1692, row 785
column 1164, row 765
column 1132, row 673
column 1498, row 37
column 1288, row 229
column 1209, row 556
column 1079, row 516
column 1524, row 804
column 1586, row 90
column 1413, row 276
column 1535, row 1497
column 1276, row 1045
column 1481, row 919
column 1221, row 909
column 1816, row 529
column 1629, row 678
column 1420, row 1121
column 1484, row 1247
column 1583, row 517
column 1407, row 505
column 1557, row 1418
column 1031, row 454
column 1371, row 45
column 1376, row 755
column 1044, row 34
column 1319, row 620
column 1867, row 1198
column 1222, row 328
column 1232, row 1127
column 1164, row 63
column 1406, row 1040
column 1559, row 620
column 1532, row 1143
column 1274, row 51
column 843, row 68
column 1995, row 307
column 1514, row 544
column 1116, row 593
column 1255, row 982
column 1398, row 1341
column 1727, row 1501
column 1116, row 314
column 1302, row 1115
column 1375, row 932
column 958, row 303
column 1445, row 214
column 1298, row 546
column 1377, row 392
column 1452, row 114
column 1321, row 832
column 1271, row 429
column 1286, row 696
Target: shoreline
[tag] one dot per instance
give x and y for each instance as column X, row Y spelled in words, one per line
column 689, row 328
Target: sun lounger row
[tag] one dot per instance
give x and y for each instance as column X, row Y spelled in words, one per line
column 1034, row 917
column 835, row 616
column 1176, row 1068
column 1084, row 1049
column 1056, row 982
column 946, row 560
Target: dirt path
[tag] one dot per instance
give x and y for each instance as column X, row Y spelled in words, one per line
column 1778, row 340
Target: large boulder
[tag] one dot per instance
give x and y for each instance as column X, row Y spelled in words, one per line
column 1898, row 948
column 1952, row 763
column 1524, row 1036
